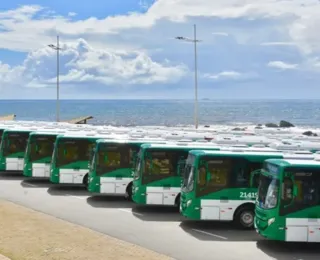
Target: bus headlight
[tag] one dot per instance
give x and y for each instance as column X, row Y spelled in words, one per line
column 270, row 221
column 189, row 203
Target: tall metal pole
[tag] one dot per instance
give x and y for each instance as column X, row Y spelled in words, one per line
column 195, row 79
column 58, row 105
column 194, row 40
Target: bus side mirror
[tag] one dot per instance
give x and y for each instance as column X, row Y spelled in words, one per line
column 295, row 191
column 209, row 177
column 254, row 177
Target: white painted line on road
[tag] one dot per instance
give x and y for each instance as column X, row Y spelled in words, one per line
column 29, row 184
column 80, row 198
column 209, row 234
column 131, row 212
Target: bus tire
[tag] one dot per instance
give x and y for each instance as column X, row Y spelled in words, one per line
column 129, row 192
column 244, row 217
column 177, row 201
column 85, row 180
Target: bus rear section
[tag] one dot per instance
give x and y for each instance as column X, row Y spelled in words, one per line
column 71, row 159
column 113, row 164
column 288, row 202
column 12, row 151
column 222, row 185
column 157, row 178
column 111, row 171
column 37, row 161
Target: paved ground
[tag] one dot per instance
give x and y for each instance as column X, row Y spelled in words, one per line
column 156, row 228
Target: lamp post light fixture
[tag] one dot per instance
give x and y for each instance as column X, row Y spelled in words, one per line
column 195, row 41
column 57, row 49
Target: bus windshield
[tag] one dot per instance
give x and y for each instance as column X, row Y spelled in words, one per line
column 15, row 143
column 41, row 147
column 268, row 192
column 71, row 150
column 188, row 174
column 188, row 181
column 1, row 132
column 111, row 157
column 161, row 164
column 138, row 164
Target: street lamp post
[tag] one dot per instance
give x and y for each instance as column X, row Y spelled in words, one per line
column 195, row 41
column 57, row 48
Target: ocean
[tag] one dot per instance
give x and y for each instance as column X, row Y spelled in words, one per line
column 304, row 113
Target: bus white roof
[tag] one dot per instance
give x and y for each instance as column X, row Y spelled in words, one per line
column 259, row 152
column 55, row 132
column 302, row 162
column 90, row 135
column 183, row 145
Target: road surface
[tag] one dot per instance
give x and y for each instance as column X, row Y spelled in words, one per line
column 156, row 228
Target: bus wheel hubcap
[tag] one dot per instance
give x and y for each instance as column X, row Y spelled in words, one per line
column 247, row 218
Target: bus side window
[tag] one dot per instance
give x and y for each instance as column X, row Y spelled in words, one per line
column 287, row 191
column 202, row 175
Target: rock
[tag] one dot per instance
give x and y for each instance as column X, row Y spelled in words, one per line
column 271, row 125
column 259, row 124
column 309, row 133
column 285, row 124
column 207, row 126
column 258, row 127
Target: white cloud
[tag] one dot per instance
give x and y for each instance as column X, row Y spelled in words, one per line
column 298, row 17
column 220, row 34
column 229, row 75
column 84, row 64
column 278, row 44
column 120, row 53
column 72, row 14
column 282, row 65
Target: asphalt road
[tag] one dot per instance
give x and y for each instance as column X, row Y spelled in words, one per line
column 157, row 228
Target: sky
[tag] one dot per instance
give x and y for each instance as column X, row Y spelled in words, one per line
column 247, row 49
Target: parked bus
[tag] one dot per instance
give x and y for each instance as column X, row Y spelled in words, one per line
column 113, row 163
column 37, row 159
column 157, row 177
column 71, row 157
column 288, row 201
column 222, row 185
column 12, row 150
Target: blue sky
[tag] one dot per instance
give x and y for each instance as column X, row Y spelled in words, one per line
column 126, row 49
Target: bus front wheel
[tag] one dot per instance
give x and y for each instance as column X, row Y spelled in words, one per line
column 85, row 181
column 244, row 218
column 129, row 192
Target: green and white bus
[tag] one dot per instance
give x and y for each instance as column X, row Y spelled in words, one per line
column 288, row 201
column 157, row 178
column 71, row 157
column 222, row 185
column 113, row 164
column 12, row 150
column 37, row 159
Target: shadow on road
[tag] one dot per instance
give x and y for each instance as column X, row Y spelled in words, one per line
column 289, row 250
column 36, row 183
column 217, row 231
column 58, row 190
column 103, row 201
column 156, row 213
column 14, row 176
